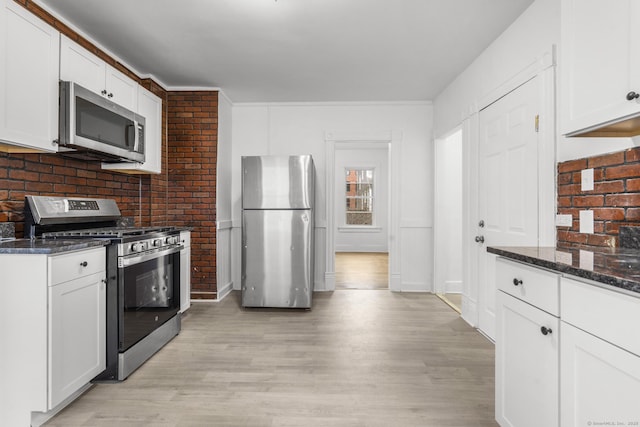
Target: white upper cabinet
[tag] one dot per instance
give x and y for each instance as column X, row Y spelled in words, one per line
column 150, row 107
column 600, row 63
column 79, row 65
column 29, row 60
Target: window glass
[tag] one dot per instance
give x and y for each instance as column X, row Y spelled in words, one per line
column 359, row 196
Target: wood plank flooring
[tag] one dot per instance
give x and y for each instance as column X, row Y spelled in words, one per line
column 357, row 358
column 362, row 270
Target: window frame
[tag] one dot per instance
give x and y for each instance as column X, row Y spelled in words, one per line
column 360, row 227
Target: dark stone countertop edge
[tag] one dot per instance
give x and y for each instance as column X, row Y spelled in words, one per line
column 46, row 247
column 607, row 279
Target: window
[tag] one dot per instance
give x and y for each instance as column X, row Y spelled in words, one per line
column 359, row 196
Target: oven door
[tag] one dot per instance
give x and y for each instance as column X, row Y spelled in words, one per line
column 149, row 293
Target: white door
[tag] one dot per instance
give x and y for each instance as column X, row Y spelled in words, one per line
column 508, row 186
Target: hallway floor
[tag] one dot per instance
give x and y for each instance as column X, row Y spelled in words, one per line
column 362, row 270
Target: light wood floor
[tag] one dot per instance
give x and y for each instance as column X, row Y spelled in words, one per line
column 362, row 270
column 358, row 358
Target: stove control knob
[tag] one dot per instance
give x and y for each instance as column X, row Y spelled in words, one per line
column 157, row 242
column 135, row 247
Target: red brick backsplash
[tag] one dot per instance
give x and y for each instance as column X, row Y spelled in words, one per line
column 615, row 199
column 54, row 175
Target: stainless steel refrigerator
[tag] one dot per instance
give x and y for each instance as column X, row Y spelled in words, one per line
column 277, row 231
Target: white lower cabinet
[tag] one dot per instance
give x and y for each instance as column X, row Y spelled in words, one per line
column 575, row 364
column 52, row 330
column 600, row 383
column 599, row 363
column 527, row 347
column 77, row 330
column 526, row 365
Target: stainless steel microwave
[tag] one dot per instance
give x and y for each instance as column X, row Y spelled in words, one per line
column 95, row 128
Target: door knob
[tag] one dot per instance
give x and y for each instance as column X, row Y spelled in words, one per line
column 632, row 95
column 480, row 239
column 481, row 223
column 545, row 330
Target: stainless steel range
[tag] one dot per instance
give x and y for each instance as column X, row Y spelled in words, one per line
column 143, row 274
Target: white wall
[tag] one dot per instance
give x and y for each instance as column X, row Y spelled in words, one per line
column 302, row 128
column 448, row 214
column 223, row 197
column 529, row 36
column 372, row 238
column 532, row 34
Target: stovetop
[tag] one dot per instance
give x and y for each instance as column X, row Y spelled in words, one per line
column 111, row 232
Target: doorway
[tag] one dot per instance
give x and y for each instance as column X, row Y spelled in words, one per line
column 361, row 216
column 448, row 220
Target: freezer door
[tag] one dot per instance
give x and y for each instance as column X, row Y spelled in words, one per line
column 277, row 182
column 277, row 258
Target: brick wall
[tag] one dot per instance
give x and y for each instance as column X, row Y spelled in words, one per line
column 52, row 174
column 192, row 147
column 615, row 199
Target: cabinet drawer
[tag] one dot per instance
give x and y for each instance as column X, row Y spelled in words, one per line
column 533, row 285
column 76, row 264
column 605, row 313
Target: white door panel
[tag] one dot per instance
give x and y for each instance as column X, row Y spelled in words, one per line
column 508, row 185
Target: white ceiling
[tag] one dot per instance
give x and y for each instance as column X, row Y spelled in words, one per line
column 296, row 50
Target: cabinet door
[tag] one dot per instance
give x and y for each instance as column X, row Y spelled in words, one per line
column 600, row 382
column 599, row 61
column 77, row 322
column 121, row 89
column 79, row 65
column 526, row 365
column 29, row 58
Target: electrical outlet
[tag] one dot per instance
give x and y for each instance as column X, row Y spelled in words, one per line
column 586, row 222
column 564, row 220
column 586, row 182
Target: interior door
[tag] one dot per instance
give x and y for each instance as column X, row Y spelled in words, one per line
column 508, row 186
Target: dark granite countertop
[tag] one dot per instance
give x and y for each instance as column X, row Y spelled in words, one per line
column 44, row 246
column 618, row 267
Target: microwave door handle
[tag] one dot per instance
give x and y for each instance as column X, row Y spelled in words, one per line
column 136, row 137
column 128, row 134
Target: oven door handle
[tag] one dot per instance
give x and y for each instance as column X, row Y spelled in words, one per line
column 139, row 258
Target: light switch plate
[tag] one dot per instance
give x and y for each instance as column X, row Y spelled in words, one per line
column 564, row 220
column 586, row 180
column 586, row 222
